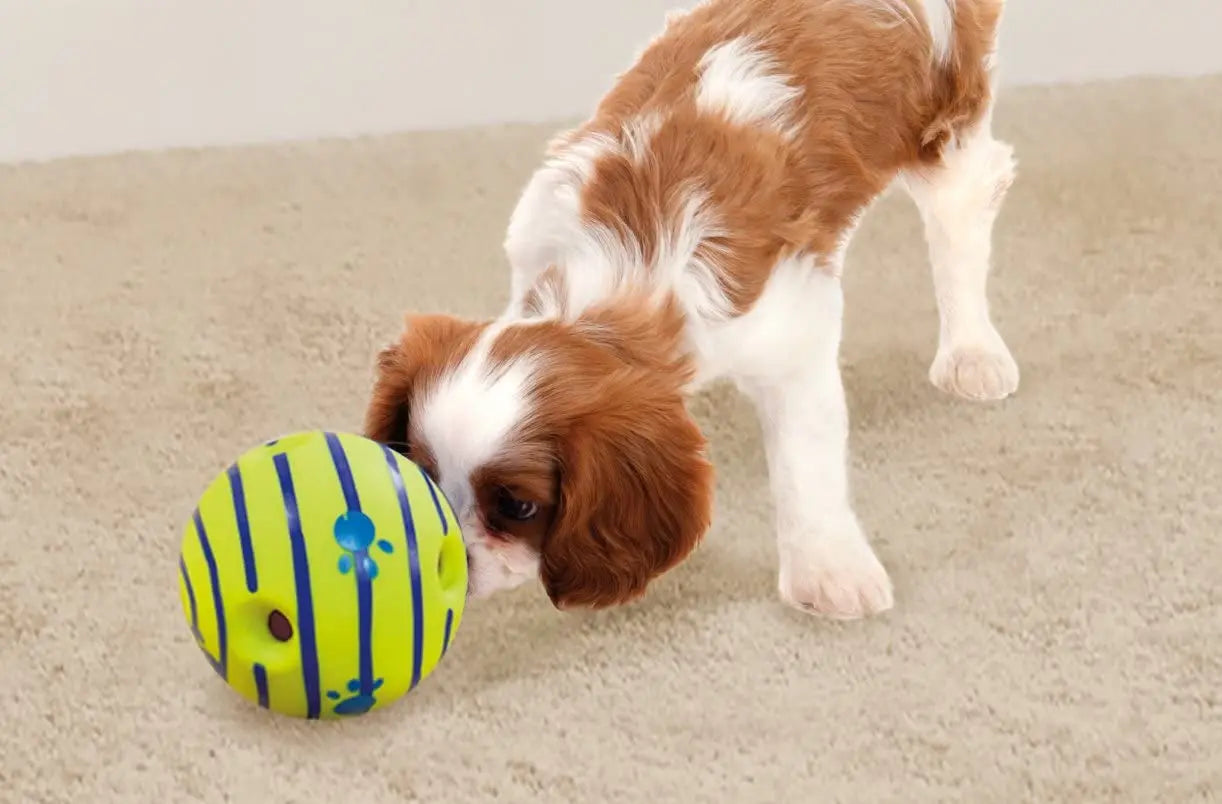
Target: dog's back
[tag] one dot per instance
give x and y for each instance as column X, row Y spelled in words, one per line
column 903, row 75
column 785, row 117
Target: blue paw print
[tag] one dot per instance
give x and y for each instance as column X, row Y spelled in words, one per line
column 354, row 532
column 359, row 703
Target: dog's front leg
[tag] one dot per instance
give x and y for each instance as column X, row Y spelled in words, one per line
column 827, row 566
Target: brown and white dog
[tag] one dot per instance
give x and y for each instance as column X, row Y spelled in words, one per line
column 694, row 228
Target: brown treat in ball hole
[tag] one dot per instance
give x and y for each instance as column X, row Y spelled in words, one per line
column 280, row 626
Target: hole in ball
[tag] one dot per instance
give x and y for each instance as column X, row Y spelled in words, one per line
column 280, row 626
column 453, row 563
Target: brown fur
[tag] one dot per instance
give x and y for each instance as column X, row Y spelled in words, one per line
column 871, row 105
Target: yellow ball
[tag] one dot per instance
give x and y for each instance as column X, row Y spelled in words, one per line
column 323, row 575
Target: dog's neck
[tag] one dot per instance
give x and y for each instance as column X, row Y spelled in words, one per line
column 642, row 326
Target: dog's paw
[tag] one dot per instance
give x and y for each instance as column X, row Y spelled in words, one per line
column 836, row 577
column 975, row 372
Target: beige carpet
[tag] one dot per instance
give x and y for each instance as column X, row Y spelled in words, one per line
column 1058, row 630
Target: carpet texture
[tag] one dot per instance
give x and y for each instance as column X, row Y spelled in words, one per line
column 1058, row 629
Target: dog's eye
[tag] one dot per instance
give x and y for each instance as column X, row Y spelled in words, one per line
column 511, row 507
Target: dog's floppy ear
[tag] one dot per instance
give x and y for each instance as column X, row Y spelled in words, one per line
column 636, row 494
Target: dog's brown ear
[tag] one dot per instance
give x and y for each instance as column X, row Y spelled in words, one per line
column 636, row 494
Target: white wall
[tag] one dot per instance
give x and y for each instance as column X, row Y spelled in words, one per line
column 89, row 76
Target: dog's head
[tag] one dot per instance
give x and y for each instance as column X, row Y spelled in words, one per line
column 565, row 450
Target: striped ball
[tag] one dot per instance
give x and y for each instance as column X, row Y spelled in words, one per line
column 323, row 575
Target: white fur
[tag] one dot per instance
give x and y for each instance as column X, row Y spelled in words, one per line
column 826, row 563
column 473, row 411
column 741, row 80
column 783, row 354
column 959, row 202
column 547, row 218
column 494, row 565
column 546, row 229
column 679, row 266
column 940, row 19
column 939, row 16
column 638, row 135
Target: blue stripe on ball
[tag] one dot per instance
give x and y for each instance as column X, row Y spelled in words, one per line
column 221, row 663
column 186, row 580
column 413, row 566
column 239, row 508
column 364, row 580
column 301, row 576
column 261, row 683
column 346, row 481
column 445, row 644
column 441, row 514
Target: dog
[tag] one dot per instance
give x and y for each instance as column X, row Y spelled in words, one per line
column 695, row 228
